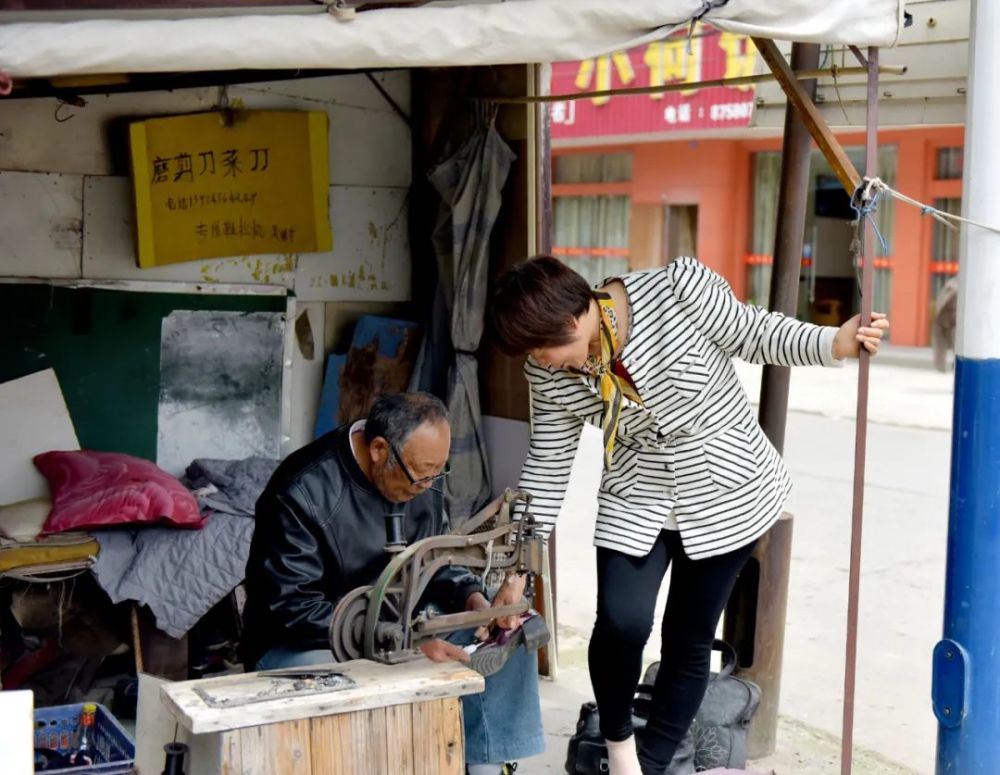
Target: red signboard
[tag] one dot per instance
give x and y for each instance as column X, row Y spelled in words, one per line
column 707, row 55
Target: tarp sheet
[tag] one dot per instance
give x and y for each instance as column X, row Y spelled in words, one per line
column 436, row 34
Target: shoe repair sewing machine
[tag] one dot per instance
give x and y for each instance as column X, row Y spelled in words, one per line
column 404, row 712
column 385, row 621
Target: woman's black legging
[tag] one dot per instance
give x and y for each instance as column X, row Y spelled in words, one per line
column 626, row 597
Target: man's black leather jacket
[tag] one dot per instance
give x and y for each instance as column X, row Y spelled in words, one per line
column 320, row 532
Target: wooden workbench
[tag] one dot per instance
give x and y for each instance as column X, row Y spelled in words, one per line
column 393, row 720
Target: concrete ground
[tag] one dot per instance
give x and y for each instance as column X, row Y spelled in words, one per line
column 902, row 583
column 802, row 749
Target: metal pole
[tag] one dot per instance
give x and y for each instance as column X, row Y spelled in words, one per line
column 665, row 88
column 755, row 615
column 861, row 430
column 792, row 196
column 966, row 690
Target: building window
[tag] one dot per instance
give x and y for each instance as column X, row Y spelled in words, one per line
column 591, row 230
column 593, row 168
column 945, row 238
column 591, row 234
column 764, row 214
column 829, row 279
column 949, row 163
column 944, row 247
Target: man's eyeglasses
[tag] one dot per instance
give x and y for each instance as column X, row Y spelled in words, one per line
column 413, row 480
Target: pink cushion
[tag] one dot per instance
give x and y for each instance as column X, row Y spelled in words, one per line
column 92, row 489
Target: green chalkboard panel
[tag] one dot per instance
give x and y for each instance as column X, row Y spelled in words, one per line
column 105, row 348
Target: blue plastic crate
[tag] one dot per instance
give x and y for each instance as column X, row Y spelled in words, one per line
column 58, row 728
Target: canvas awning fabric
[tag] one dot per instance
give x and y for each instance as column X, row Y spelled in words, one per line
column 435, row 34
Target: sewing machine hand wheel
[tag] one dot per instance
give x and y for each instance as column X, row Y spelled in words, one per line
column 384, row 621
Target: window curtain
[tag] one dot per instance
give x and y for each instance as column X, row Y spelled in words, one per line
column 766, row 180
column 587, row 225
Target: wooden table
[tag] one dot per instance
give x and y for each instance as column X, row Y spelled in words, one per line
column 392, row 720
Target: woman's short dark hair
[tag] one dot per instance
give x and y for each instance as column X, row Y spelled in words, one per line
column 534, row 303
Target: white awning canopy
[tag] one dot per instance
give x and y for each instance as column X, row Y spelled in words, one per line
column 436, row 34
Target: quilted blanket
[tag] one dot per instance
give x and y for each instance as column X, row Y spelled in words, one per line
column 179, row 574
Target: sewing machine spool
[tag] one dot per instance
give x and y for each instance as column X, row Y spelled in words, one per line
column 395, row 541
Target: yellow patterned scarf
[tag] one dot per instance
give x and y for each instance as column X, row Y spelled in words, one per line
column 613, row 388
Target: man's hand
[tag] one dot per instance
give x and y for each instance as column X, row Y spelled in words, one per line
column 510, row 593
column 477, row 602
column 438, row 650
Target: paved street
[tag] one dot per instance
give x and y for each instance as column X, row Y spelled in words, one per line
column 902, row 586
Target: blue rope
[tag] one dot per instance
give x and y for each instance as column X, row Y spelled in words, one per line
column 866, row 209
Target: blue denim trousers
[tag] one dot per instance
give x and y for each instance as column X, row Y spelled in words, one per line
column 502, row 724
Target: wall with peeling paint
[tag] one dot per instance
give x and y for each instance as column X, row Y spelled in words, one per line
column 66, row 208
column 66, row 203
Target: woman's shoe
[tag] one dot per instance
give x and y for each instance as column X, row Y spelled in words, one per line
column 490, row 656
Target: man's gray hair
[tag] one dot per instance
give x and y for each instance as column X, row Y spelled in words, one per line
column 394, row 417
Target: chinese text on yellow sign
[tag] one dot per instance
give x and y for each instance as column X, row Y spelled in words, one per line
column 206, row 188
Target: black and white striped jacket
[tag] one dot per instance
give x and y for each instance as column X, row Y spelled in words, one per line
column 695, row 447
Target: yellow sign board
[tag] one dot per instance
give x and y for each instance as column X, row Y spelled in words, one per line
column 206, row 187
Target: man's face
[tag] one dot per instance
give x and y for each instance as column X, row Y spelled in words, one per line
column 424, row 456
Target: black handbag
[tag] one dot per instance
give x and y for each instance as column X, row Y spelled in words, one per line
column 717, row 737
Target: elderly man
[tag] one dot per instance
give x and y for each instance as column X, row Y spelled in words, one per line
column 320, row 533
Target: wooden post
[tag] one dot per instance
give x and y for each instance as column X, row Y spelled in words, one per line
column 136, row 639
column 809, row 113
column 755, row 626
column 546, row 587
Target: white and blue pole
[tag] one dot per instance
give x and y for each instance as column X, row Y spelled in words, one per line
column 966, row 691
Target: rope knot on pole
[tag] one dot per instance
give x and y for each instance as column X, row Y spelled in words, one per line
column 864, row 202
